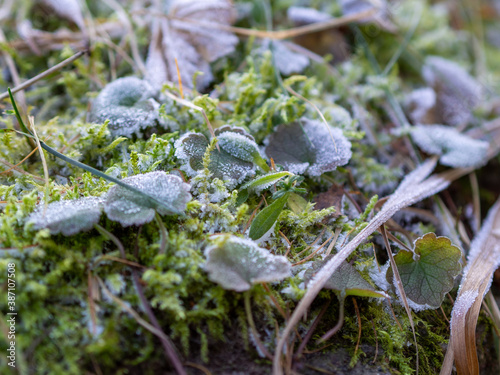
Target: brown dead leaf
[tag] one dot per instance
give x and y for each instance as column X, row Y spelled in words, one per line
column 185, row 34
column 332, row 197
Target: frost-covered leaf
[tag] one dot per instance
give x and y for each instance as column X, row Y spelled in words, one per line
column 428, row 273
column 235, row 264
column 188, row 36
column 286, row 60
column 69, row 9
column 128, row 208
column 457, row 92
column 456, row 149
column 346, row 279
column 233, row 163
column 309, row 148
column 129, row 106
column 67, row 217
column 266, row 218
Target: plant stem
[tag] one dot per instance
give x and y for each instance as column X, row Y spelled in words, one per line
column 339, row 324
column 163, row 234
column 251, row 323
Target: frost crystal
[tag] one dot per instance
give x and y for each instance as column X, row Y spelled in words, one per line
column 456, row 149
column 68, row 217
column 457, row 92
column 236, row 263
column 128, row 105
column 192, row 35
column 232, row 164
column 286, row 60
column 129, row 208
column 307, row 147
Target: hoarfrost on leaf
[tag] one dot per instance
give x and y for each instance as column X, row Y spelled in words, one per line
column 235, row 263
column 193, row 36
column 457, row 92
column 287, row 61
column 129, row 208
column 421, row 103
column 69, row 216
column 346, row 279
column 233, row 163
column 309, row 148
column 428, row 272
column 305, row 16
column 456, row 149
column 129, row 106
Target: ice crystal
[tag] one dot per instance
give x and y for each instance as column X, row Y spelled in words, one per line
column 67, row 217
column 233, row 163
column 129, row 208
column 128, row 105
column 190, row 35
column 456, row 149
column 236, row 263
column 457, row 92
column 307, row 147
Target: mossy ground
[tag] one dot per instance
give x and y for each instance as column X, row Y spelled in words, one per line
column 67, row 322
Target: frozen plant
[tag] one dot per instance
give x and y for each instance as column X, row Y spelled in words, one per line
column 456, row 149
column 309, row 147
column 129, row 208
column 129, row 106
column 233, row 163
column 67, row 217
column 236, row 263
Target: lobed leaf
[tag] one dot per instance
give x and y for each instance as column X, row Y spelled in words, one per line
column 456, row 149
column 129, row 106
column 307, row 147
column 69, row 216
column 429, row 272
column 236, row 263
column 129, row 208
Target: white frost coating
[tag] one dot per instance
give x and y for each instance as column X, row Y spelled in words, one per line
column 420, row 103
column 456, row 149
column 68, row 217
column 69, row 9
column 457, row 92
column 128, row 105
column 238, row 145
column 462, row 304
column 379, row 277
column 319, row 150
column 180, row 153
column 477, row 243
column 129, row 208
column 236, row 263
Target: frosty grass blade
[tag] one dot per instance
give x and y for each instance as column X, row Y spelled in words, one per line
column 129, row 208
column 68, row 216
column 236, row 263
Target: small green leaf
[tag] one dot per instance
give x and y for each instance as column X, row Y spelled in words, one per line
column 265, row 181
column 428, row 273
column 296, row 203
column 346, row 280
column 266, row 218
column 236, row 263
